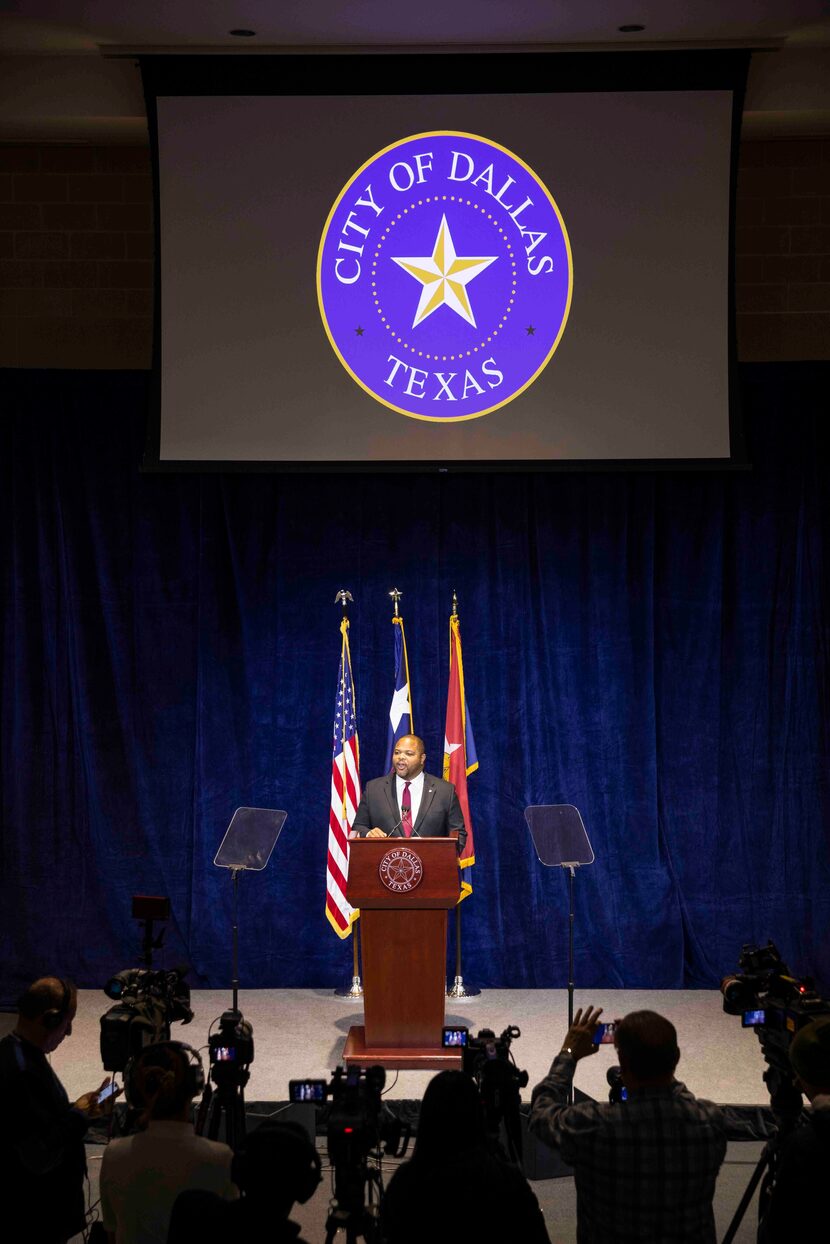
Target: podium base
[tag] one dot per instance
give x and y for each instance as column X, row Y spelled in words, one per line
column 356, row 1053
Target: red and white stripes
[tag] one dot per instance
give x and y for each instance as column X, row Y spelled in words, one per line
column 345, row 794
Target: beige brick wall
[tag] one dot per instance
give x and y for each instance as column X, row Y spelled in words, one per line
column 76, row 254
column 782, row 246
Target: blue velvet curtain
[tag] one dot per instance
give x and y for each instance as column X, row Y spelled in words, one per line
column 650, row 647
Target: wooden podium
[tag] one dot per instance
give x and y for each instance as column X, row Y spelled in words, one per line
column 404, row 888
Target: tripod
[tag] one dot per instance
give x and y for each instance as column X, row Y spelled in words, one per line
column 225, row 1103
column 786, row 1103
column 231, row 1055
column 348, row 1211
column 362, row 1224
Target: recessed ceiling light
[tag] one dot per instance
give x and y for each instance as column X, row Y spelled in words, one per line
column 242, row 34
column 624, row 30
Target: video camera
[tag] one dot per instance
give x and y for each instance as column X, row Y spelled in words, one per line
column 776, row 1004
column 358, row 1121
column 617, row 1092
column 231, row 1049
column 148, row 1001
column 487, row 1058
column 358, row 1124
column 231, row 1052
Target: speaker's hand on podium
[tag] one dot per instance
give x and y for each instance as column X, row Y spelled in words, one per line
column 376, row 833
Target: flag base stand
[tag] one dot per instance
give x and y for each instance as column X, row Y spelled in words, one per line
column 459, row 990
column 354, row 990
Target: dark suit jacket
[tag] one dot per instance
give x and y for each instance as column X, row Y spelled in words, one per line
column 439, row 814
column 42, row 1155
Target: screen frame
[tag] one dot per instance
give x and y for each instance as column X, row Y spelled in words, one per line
column 470, row 73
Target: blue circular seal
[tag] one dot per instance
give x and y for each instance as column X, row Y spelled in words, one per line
column 444, row 276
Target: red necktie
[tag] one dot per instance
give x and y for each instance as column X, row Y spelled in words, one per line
column 406, row 811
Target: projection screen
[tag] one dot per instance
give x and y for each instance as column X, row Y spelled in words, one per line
column 425, row 272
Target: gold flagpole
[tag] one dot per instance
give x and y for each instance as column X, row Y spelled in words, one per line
column 458, row 989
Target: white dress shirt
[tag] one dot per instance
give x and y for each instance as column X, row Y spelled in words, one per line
column 416, row 792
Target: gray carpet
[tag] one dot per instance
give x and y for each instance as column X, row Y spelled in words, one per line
column 300, row 1032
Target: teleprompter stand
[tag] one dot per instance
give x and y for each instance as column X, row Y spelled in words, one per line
column 246, row 847
column 560, row 841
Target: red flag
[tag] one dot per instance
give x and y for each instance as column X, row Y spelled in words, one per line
column 460, row 758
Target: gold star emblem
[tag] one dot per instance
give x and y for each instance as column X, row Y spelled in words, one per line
column 444, row 276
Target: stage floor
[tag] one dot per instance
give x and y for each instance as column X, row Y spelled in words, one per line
column 299, row 1033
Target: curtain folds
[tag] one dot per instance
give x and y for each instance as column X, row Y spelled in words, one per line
column 652, row 647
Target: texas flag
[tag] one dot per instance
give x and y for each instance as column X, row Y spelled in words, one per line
column 460, row 759
column 400, row 710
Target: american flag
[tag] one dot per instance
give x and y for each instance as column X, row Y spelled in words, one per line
column 345, row 793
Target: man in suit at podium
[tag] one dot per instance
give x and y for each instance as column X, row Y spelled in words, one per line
column 409, row 803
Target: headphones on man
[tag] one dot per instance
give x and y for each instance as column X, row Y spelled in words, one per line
column 30, row 1002
column 296, row 1162
column 187, row 1071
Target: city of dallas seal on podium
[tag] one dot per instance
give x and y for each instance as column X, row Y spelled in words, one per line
column 401, row 870
column 444, row 276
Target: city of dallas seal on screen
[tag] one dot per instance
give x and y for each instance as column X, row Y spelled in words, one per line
column 444, row 276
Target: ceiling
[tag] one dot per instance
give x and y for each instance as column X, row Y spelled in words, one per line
column 62, row 77
column 49, row 26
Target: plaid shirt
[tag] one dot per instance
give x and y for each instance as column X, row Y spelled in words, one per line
column 645, row 1169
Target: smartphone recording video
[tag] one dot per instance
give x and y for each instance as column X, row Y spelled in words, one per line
column 604, row 1034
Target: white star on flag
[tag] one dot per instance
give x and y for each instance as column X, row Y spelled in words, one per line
column 400, row 706
column 449, row 748
column 444, row 277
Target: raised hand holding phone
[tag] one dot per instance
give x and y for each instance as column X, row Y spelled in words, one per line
column 579, row 1039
